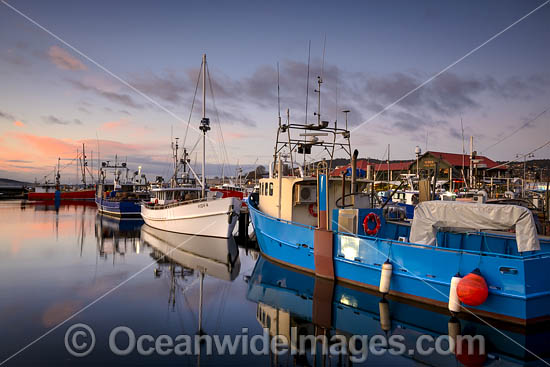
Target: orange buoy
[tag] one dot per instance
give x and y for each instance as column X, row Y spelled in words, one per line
column 472, row 290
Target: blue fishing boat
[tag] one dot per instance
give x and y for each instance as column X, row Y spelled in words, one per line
column 123, row 197
column 332, row 228
column 288, row 299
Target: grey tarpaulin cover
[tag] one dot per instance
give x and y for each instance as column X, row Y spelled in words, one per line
column 431, row 215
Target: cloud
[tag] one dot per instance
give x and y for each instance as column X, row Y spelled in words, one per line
column 18, row 124
column 114, row 125
column 64, row 60
column 57, row 121
column 17, row 161
column 6, row 116
column 169, row 87
column 115, row 97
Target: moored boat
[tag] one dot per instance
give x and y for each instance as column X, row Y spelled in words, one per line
column 309, row 222
column 49, row 192
column 186, row 207
column 56, row 191
column 120, row 199
column 174, row 210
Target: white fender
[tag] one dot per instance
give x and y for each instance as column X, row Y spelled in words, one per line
column 454, row 302
column 385, row 277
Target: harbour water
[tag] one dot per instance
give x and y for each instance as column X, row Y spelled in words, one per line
column 65, row 265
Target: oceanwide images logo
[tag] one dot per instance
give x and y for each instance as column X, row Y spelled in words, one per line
column 80, row 341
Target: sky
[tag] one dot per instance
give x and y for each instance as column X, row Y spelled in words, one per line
column 120, row 78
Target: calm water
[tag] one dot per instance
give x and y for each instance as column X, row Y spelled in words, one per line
column 67, row 265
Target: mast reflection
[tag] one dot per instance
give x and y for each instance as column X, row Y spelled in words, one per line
column 188, row 259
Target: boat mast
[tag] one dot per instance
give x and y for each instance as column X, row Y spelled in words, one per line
column 83, row 165
column 58, row 176
column 175, row 147
column 204, row 127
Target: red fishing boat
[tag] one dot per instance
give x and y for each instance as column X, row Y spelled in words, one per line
column 56, row 191
column 48, row 192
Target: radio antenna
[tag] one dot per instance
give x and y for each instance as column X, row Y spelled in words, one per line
column 278, row 95
column 323, row 61
column 307, row 79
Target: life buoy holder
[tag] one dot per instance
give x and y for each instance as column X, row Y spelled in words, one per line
column 371, row 217
column 313, row 212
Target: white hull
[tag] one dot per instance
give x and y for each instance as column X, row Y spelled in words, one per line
column 214, row 218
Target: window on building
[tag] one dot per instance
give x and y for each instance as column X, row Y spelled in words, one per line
column 271, row 189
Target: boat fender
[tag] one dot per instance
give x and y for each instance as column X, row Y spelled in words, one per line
column 385, row 277
column 453, row 327
column 156, row 201
column 371, row 217
column 384, row 309
column 454, row 302
column 313, row 210
column 472, row 289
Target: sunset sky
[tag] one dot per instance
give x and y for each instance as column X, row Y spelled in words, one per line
column 53, row 99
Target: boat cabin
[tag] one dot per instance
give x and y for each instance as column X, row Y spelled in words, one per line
column 46, row 188
column 109, row 191
column 164, row 196
column 295, row 198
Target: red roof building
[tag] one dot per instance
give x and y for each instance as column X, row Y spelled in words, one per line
column 395, row 168
column 455, row 159
column 449, row 164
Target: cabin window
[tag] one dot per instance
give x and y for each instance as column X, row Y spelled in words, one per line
column 271, row 189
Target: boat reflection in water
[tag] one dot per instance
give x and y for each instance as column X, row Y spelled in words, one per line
column 117, row 236
column 187, row 259
column 287, row 298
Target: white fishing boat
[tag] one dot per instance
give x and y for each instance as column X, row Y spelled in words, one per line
column 210, row 216
column 187, row 207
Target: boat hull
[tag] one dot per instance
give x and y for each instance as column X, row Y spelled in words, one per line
column 120, row 208
column 420, row 272
column 63, row 195
column 215, row 218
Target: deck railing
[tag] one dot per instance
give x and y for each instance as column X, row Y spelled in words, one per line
column 154, row 206
column 536, row 254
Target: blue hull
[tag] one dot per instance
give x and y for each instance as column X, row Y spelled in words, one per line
column 422, row 273
column 357, row 312
column 121, row 208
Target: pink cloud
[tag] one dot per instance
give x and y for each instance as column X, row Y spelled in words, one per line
column 46, row 145
column 64, row 60
column 114, row 125
column 33, row 154
column 234, row 136
column 18, row 123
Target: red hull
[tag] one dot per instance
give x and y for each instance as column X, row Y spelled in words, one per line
column 65, row 195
